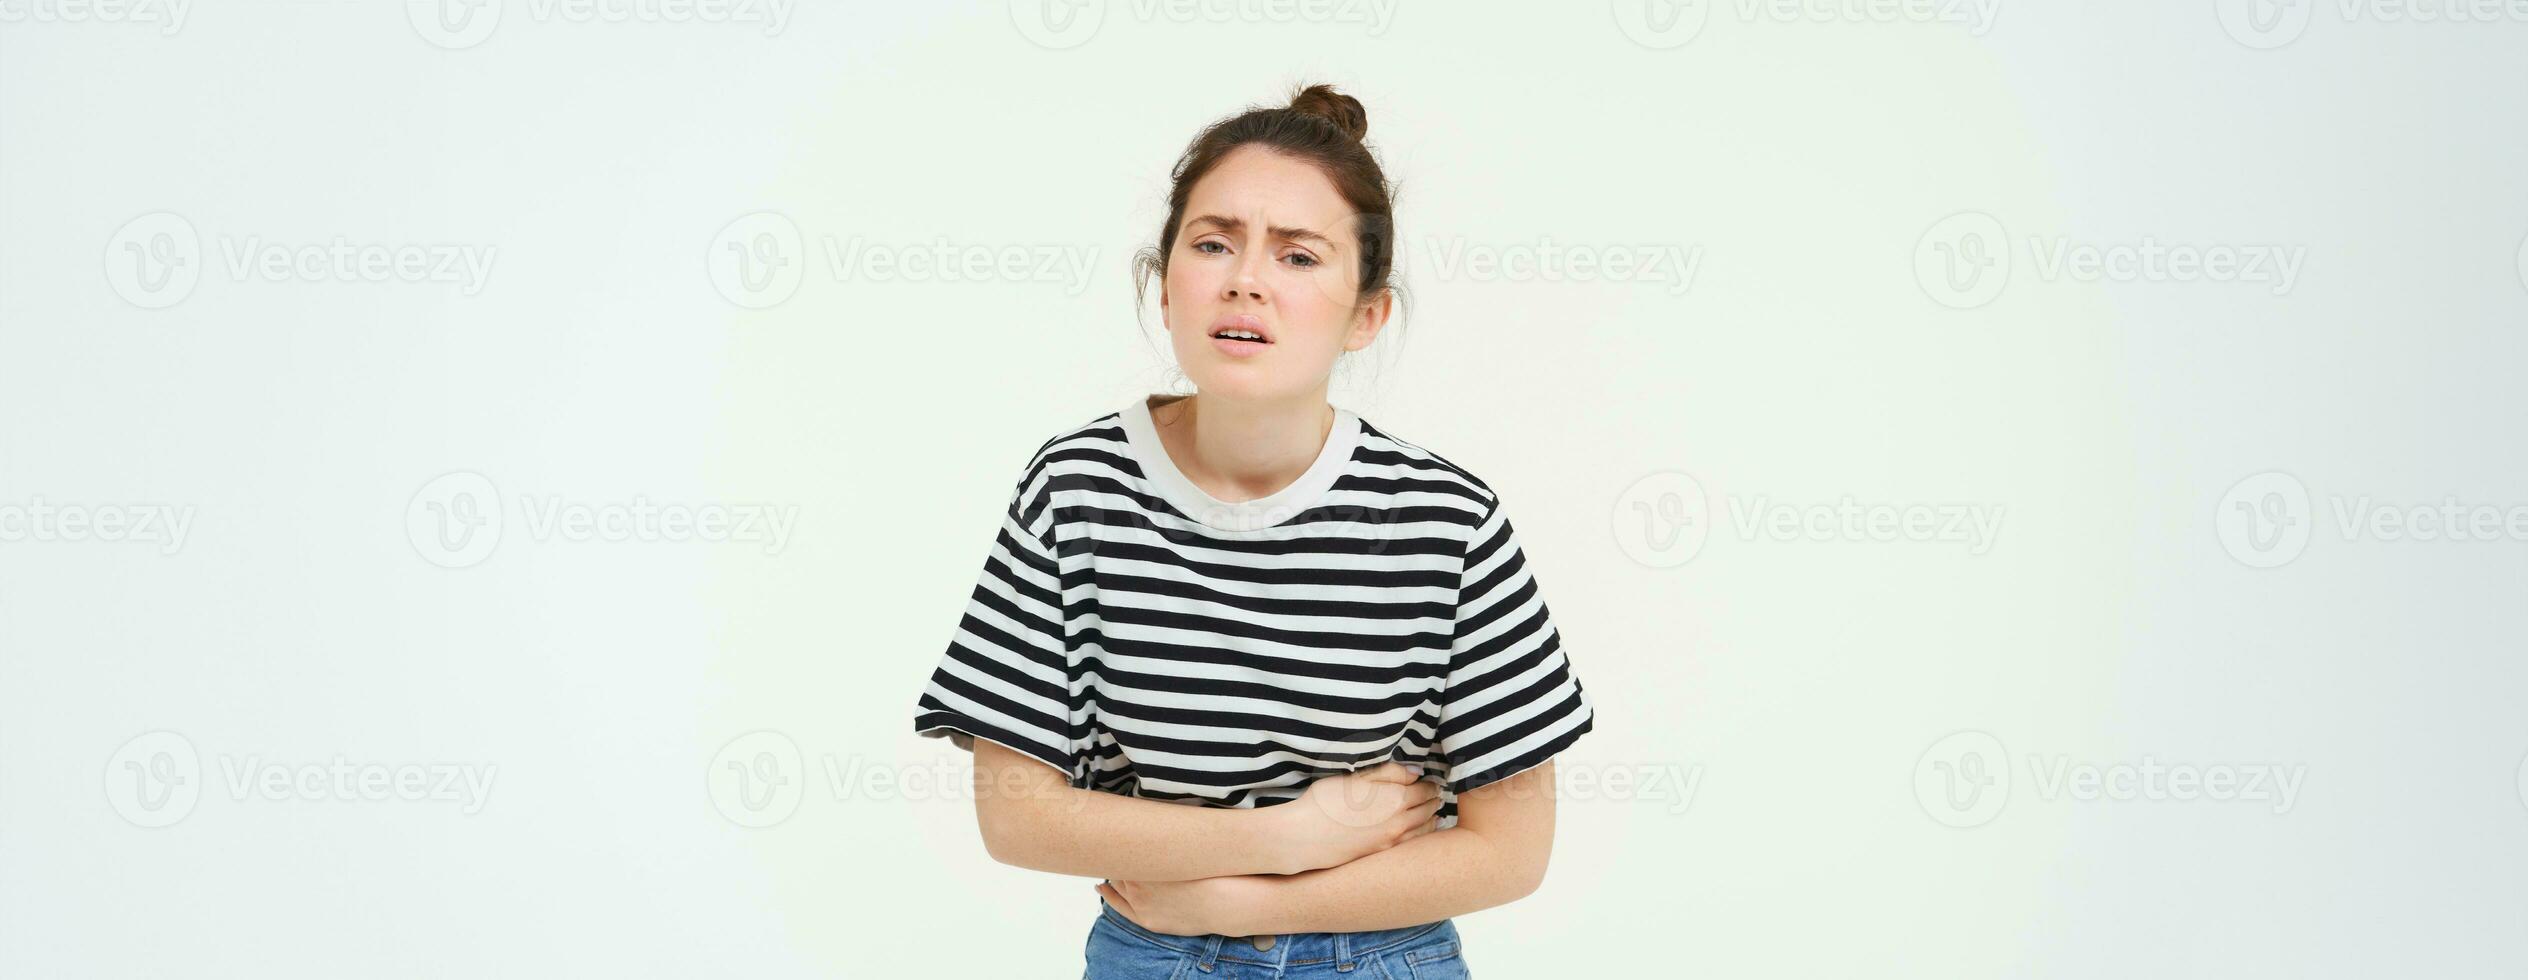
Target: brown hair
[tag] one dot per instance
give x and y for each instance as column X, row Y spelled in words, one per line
column 1321, row 126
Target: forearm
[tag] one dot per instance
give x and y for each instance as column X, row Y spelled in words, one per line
column 1426, row 879
column 1073, row 831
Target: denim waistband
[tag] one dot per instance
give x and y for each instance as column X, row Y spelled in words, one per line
column 1289, row 948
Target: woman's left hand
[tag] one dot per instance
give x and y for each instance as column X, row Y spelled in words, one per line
column 1227, row 905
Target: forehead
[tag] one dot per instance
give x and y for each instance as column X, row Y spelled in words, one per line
column 1265, row 187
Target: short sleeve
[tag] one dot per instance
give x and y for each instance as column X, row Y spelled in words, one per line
column 1512, row 700
column 1006, row 676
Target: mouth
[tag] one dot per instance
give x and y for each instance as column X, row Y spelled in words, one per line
column 1242, row 331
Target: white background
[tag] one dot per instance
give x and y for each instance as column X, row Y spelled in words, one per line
column 2144, row 604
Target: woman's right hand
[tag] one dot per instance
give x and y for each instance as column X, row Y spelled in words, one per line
column 1341, row 818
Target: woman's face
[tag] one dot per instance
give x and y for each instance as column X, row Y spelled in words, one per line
column 1266, row 246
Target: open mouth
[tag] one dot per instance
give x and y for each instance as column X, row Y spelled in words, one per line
column 1241, row 331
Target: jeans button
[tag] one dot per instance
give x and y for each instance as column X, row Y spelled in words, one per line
column 1263, row 942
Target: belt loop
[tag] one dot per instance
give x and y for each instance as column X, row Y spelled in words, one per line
column 1211, row 952
column 1343, row 952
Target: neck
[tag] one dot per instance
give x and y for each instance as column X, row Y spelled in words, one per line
column 1243, row 450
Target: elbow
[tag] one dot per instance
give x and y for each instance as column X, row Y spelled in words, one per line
column 1527, row 879
column 1526, row 871
column 998, row 841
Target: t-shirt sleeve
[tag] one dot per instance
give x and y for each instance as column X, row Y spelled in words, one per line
column 1512, row 700
column 1007, row 674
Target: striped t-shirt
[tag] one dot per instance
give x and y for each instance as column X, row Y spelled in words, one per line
column 1149, row 640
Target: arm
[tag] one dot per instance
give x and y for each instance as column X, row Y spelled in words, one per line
column 1495, row 855
column 1032, row 817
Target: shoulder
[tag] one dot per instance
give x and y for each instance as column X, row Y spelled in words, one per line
column 1088, row 450
column 1414, row 467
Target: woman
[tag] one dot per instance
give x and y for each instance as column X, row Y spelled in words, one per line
column 1278, row 676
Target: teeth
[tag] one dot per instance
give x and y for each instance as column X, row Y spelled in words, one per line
column 1240, row 334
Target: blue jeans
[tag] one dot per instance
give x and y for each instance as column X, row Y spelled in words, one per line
column 1118, row 949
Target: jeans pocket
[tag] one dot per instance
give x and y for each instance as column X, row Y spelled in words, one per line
column 1443, row 960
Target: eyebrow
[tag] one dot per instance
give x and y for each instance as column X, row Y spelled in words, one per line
column 1278, row 231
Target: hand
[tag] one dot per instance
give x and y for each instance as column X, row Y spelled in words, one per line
column 1227, row 905
column 1342, row 818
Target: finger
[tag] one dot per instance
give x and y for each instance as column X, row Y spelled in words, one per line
column 1388, row 772
column 1404, row 822
column 1116, row 899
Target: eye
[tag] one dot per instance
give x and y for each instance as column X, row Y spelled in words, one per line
column 1305, row 260
column 1198, row 246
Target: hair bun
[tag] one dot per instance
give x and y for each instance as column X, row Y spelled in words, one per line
column 1323, row 102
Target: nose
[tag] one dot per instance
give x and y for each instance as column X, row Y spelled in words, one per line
column 1243, row 282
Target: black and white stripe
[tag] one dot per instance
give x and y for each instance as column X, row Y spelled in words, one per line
column 1380, row 608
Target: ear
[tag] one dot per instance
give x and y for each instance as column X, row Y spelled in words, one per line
column 1369, row 319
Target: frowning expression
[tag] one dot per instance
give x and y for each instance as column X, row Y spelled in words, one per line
column 1263, row 285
